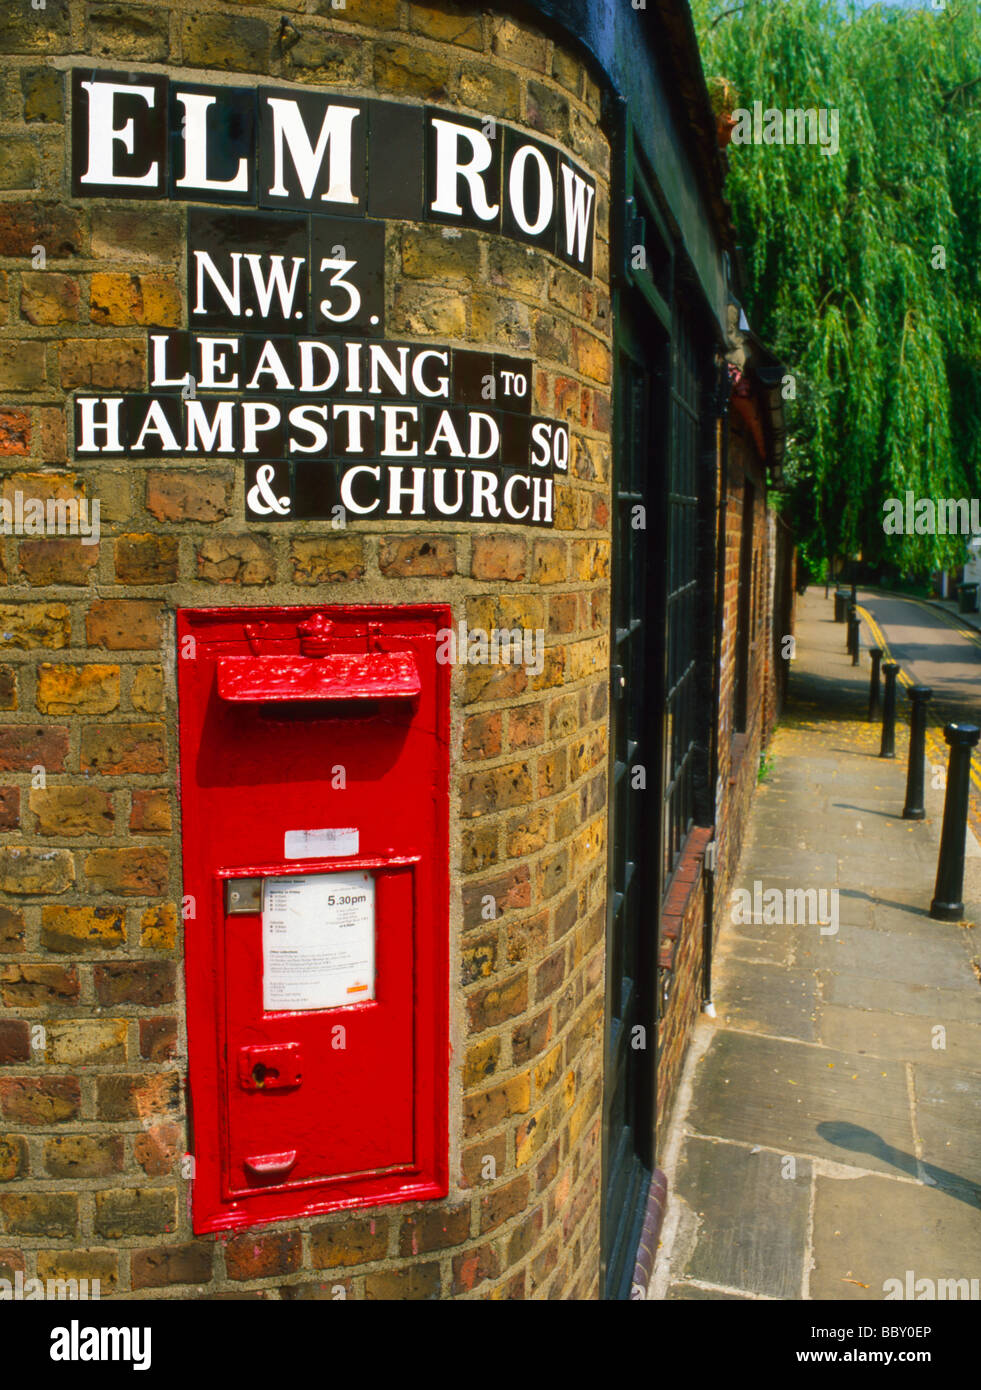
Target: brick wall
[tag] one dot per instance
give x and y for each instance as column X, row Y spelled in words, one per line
column 93, row 1116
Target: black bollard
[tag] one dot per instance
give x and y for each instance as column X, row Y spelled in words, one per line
column 854, row 592
column 853, row 635
column 947, row 905
column 888, row 747
column 918, row 696
column 876, row 654
column 850, row 617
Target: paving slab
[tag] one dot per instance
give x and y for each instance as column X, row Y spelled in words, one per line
column 887, row 877
column 764, row 948
column 899, row 1037
column 908, row 958
column 804, row 867
column 948, row 1117
column 768, row 999
column 764, row 1091
column 723, row 1183
column 869, row 1230
column 889, row 996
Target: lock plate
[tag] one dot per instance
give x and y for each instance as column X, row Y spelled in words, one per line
column 270, row 1068
column 243, row 897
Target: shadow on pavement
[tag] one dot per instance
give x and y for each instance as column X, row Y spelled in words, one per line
column 858, row 1140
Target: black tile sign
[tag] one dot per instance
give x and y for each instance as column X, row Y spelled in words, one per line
column 285, row 363
column 377, row 428
column 140, row 136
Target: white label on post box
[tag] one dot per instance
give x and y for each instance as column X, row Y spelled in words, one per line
column 318, row 941
column 320, row 844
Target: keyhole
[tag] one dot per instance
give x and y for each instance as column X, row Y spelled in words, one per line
column 261, row 1074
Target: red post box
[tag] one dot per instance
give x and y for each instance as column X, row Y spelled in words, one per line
column 314, row 799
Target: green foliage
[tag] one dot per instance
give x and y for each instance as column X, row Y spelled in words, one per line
column 841, row 255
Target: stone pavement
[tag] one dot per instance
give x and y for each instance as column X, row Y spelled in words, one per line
column 827, row 1137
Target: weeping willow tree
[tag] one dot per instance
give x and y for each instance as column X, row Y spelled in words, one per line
column 864, row 265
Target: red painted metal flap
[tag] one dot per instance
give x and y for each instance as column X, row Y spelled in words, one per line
column 271, row 1165
column 340, row 676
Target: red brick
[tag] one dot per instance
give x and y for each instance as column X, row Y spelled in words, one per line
column 482, row 736
column 25, row 986
column 475, row 1268
column 57, row 560
column 481, row 1164
column 26, row 746
column 141, row 1097
column 526, row 727
column 115, row 749
column 130, row 872
column 435, row 1229
column 124, row 624
column 430, row 557
column 115, row 364
column 12, row 931
column 419, row 1282
column 146, row 559
column 47, row 298
column 189, row 496
column 9, row 808
column 499, row 557
column 259, row 1256
column 158, row 1039
column 15, row 1040
column 150, row 814
column 55, row 226
column 350, row 1242
column 157, row 1148
column 147, row 982
column 487, row 1008
column 510, row 892
column 15, row 432
column 163, row 1265
column 503, row 1203
column 10, row 1262
column 40, row 1100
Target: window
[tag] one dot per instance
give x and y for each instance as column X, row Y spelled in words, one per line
column 681, row 706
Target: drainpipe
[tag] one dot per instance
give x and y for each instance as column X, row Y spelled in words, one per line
column 709, row 862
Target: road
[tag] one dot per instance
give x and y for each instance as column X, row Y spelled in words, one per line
column 933, row 648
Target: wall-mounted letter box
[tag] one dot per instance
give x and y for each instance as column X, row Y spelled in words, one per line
column 314, row 794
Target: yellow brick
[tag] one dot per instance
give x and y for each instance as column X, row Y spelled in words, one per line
column 82, row 1042
column 158, row 927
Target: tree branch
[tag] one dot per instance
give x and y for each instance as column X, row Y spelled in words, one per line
column 725, row 14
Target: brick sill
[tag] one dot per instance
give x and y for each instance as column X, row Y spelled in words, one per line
column 686, row 878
